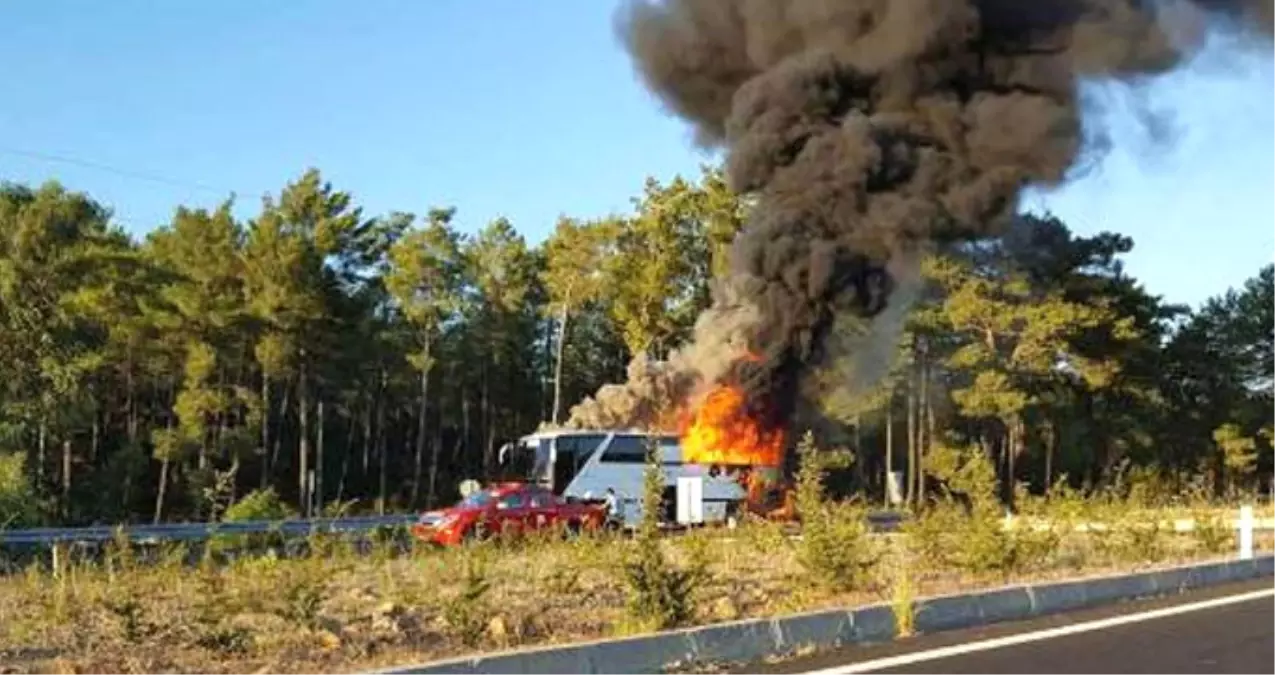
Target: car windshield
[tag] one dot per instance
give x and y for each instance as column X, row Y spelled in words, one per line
column 476, row 500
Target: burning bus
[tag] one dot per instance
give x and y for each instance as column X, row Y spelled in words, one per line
column 583, row 464
column 739, row 461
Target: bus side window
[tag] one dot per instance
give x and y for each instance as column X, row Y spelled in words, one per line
column 626, row 450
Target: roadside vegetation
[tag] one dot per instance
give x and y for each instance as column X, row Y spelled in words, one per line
column 331, row 355
column 335, row 608
column 311, row 358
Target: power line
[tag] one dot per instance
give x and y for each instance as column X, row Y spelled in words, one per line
column 139, row 175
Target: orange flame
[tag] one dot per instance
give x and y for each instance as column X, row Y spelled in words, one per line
column 721, row 432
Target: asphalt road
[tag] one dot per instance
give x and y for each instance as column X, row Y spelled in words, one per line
column 1232, row 638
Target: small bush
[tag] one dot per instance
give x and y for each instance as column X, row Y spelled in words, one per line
column 903, row 602
column 20, row 505
column 215, row 602
column 661, row 595
column 259, row 505
column 467, row 612
column 764, row 536
column 256, row 505
column 835, row 548
column 1212, row 534
column 1142, row 539
column 131, row 616
column 972, row 535
column 301, row 594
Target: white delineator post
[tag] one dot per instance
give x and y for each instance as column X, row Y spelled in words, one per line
column 1246, row 532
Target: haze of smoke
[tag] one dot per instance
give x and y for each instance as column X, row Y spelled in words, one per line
column 656, row 390
column 866, row 128
column 860, row 352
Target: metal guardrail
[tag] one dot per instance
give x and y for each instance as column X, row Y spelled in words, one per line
column 199, row 531
column 880, row 521
column 47, row 536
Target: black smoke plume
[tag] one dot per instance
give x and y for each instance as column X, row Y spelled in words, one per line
column 870, row 129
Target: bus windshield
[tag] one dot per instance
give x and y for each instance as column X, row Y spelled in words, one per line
column 525, row 460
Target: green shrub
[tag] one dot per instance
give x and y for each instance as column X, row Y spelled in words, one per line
column 973, row 536
column 660, row 594
column 467, row 612
column 835, row 549
column 19, row 504
column 256, row 505
column 1212, row 534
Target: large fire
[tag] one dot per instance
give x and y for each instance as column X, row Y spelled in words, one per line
column 720, row 432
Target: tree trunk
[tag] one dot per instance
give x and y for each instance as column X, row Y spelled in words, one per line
column 202, row 460
column 66, row 477
column 95, row 439
column 435, row 450
column 1007, row 488
column 163, row 484
column 382, row 449
column 931, row 424
column 860, row 457
column 557, row 366
column 41, row 455
column 351, row 428
column 419, row 458
column 234, row 477
column 265, row 430
column 284, row 402
column 368, row 440
column 926, row 425
column 159, row 494
column 912, row 438
column 488, row 424
column 464, row 425
column 889, row 447
column 131, row 404
column 318, row 460
column 303, row 430
column 132, row 430
column 1049, row 457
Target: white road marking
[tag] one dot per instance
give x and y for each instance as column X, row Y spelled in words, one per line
column 1022, row 638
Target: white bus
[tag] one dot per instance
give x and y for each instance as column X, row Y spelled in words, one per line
column 582, row 464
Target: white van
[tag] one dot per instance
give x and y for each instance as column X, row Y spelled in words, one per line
column 582, row 464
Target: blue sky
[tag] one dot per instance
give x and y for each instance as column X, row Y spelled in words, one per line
column 526, row 110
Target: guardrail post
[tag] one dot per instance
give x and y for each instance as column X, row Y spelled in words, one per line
column 60, row 558
column 1246, row 532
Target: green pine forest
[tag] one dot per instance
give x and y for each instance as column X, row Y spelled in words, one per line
column 389, row 355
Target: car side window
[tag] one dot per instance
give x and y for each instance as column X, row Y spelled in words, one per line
column 513, row 501
column 541, row 500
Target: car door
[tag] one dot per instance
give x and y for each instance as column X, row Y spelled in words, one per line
column 512, row 513
column 542, row 511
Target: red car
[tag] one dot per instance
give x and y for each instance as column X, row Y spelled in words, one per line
column 508, row 508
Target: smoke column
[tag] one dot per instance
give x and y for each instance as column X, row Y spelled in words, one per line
column 870, row 129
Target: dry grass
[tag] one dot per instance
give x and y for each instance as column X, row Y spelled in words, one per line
column 335, row 611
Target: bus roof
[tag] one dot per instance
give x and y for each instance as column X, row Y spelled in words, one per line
column 556, row 433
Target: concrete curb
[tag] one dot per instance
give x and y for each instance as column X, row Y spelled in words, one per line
column 754, row 639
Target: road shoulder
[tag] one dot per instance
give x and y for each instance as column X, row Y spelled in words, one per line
column 867, row 652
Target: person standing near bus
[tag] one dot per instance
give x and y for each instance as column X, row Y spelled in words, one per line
column 615, row 508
